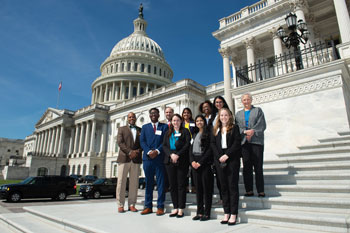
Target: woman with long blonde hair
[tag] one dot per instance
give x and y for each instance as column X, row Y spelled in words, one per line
column 226, row 147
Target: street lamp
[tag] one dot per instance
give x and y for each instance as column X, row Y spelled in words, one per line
column 294, row 38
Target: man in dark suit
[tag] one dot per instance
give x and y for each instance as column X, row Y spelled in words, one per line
column 129, row 160
column 153, row 160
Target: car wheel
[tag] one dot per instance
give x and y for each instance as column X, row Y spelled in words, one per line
column 97, row 194
column 61, row 196
column 15, row 197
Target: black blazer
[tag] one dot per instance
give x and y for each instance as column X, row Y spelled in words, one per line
column 233, row 140
column 182, row 146
column 207, row 155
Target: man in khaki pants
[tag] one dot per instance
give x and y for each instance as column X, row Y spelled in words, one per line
column 129, row 161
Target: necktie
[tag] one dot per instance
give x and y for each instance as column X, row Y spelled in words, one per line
column 154, row 128
column 169, row 125
column 132, row 126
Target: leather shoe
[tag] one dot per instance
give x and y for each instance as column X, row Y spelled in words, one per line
column 180, row 215
column 261, row 194
column 160, row 211
column 249, row 194
column 121, row 210
column 146, row 211
column 231, row 223
column 173, row 215
column 205, row 218
column 132, row 209
column 197, row 217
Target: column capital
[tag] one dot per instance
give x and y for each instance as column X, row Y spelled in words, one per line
column 225, row 52
column 273, row 32
column 298, row 5
column 249, row 42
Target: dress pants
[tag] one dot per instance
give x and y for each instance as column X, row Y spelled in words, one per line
column 253, row 156
column 123, row 169
column 151, row 169
column 177, row 175
column 204, row 181
column 229, row 177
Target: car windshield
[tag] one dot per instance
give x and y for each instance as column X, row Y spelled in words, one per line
column 99, row 181
column 27, row 181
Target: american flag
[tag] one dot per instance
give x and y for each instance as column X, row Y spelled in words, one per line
column 60, row 86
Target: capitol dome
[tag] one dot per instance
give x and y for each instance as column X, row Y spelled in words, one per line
column 136, row 65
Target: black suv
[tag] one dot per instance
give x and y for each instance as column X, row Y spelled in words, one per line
column 100, row 187
column 55, row 187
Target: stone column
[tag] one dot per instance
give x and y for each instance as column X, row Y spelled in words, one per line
column 103, row 137
column 61, row 141
column 81, row 141
column 106, row 93
column 71, row 141
column 147, row 86
column 42, row 136
column 92, row 142
column 87, row 137
column 343, row 18
column 278, row 50
column 113, row 92
column 227, row 76
column 138, row 88
column 249, row 43
column 234, row 76
column 117, row 92
column 100, row 94
column 130, row 90
column 76, row 141
column 56, row 140
column 122, row 93
column 93, row 96
column 37, row 143
column 49, row 141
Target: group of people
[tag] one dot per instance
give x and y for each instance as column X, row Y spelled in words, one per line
column 213, row 142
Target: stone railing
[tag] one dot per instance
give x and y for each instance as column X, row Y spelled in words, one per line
column 245, row 12
column 93, row 106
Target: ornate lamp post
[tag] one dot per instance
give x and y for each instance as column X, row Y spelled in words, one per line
column 294, row 38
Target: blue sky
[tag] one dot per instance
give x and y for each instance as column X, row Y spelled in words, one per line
column 44, row 42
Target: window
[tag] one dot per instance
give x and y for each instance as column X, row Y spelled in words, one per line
column 8, row 150
column 115, row 170
column 155, row 70
column 126, row 92
column 42, row 171
column 134, row 91
column 129, row 66
column 141, row 90
column 149, row 69
column 143, row 68
column 160, row 72
column 135, row 66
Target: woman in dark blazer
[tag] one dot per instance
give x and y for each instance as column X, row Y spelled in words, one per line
column 176, row 145
column 201, row 159
column 226, row 146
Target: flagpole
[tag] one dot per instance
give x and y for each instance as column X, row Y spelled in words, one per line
column 58, row 96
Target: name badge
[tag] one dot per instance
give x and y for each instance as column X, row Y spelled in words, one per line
column 158, row 132
column 177, row 134
column 191, row 141
column 192, row 125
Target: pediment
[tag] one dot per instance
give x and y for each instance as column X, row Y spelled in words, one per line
column 49, row 115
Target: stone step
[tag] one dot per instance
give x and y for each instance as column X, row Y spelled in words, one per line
column 314, row 152
column 345, row 144
column 335, row 139
column 300, row 167
column 322, row 222
column 29, row 223
column 344, row 133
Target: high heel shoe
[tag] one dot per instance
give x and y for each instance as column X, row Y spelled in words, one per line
column 225, row 221
column 232, row 223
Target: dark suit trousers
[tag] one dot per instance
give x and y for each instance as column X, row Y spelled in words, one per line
column 229, row 177
column 253, row 156
column 151, row 169
column 177, row 176
column 204, row 181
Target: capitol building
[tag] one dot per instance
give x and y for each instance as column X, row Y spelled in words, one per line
column 302, row 103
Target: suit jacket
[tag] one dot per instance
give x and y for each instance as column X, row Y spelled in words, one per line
column 207, row 155
column 182, row 147
column 233, row 140
column 256, row 122
column 126, row 143
column 150, row 141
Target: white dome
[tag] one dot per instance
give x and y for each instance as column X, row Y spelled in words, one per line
column 138, row 41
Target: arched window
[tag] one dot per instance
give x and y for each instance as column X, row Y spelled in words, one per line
column 155, row 70
column 43, row 171
column 84, row 170
column 63, row 170
column 73, row 169
column 143, row 68
column 78, row 170
column 149, row 69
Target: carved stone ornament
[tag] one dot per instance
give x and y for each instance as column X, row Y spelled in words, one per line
column 249, row 43
column 225, row 52
column 295, row 90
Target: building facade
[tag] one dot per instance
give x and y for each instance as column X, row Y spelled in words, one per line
column 300, row 105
